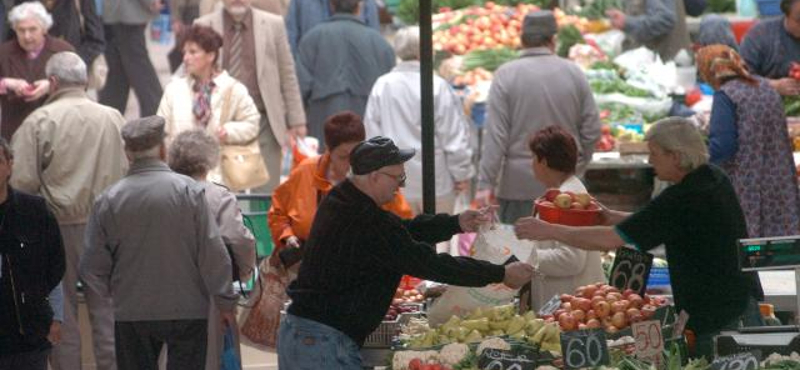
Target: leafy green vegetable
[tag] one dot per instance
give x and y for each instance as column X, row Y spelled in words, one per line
column 596, row 9
column 791, row 106
column 489, row 59
column 618, row 86
column 567, row 37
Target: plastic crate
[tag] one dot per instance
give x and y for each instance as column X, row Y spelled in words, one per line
column 769, row 8
column 254, row 211
column 387, row 330
column 726, row 344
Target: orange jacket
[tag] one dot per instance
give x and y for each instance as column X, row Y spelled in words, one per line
column 294, row 202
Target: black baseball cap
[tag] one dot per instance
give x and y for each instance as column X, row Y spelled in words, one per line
column 375, row 153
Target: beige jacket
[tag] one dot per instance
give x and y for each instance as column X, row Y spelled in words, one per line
column 563, row 267
column 277, row 80
column 69, row 151
column 240, row 122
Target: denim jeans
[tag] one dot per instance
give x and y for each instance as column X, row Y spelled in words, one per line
column 308, row 345
column 704, row 344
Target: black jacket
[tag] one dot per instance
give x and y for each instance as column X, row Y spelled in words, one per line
column 89, row 39
column 33, row 264
column 357, row 253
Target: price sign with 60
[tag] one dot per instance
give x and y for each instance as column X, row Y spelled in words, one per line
column 739, row 361
column 649, row 341
column 584, row 348
column 631, row 270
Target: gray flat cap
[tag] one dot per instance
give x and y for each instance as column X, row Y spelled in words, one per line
column 540, row 23
column 143, row 133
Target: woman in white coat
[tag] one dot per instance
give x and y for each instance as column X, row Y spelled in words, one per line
column 562, row 268
column 208, row 98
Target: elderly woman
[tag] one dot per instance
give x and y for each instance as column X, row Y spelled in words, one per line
column 23, row 85
column 563, row 268
column 716, row 29
column 295, row 202
column 208, row 98
column 698, row 219
column 393, row 111
column 194, row 153
column 746, row 114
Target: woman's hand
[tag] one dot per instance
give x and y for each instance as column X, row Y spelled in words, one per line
column 54, row 336
column 40, row 89
column 532, row 228
column 786, row 86
column 17, row 85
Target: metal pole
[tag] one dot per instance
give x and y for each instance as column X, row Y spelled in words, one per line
column 426, row 88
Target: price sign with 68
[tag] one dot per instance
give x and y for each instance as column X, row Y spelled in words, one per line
column 631, row 270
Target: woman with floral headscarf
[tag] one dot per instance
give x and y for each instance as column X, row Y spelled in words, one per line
column 750, row 141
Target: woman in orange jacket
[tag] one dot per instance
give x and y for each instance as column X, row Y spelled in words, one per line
column 294, row 202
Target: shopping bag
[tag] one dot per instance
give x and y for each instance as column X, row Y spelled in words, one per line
column 261, row 325
column 230, row 359
column 494, row 244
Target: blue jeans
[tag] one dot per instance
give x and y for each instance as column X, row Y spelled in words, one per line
column 704, row 344
column 308, row 345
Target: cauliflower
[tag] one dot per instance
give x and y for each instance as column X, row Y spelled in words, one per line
column 401, row 359
column 453, row 353
column 494, row 343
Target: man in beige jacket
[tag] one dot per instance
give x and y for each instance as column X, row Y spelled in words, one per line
column 265, row 65
column 69, row 151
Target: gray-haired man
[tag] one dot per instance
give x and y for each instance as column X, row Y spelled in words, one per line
column 151, row 242
column 68, row 151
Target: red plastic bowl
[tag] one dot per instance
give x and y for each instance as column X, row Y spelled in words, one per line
column 569, row 217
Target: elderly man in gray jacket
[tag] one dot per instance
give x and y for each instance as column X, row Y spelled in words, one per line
column 69, row 151
column 152, row 242
column 537, row 90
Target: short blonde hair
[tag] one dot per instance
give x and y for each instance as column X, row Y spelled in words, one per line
column 679, row 135
column 30, row 9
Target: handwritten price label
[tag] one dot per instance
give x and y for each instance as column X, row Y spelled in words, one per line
column 739, row 361
column 584, row 348
column 494, row 359
column 649, row 341
column 550, row 306
column 631, row 270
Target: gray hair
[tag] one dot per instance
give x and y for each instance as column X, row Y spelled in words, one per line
column 68, row 68
column 193, row 153
column 30, row 9
column 679, row 135
column 153, row 152
column 406, row 43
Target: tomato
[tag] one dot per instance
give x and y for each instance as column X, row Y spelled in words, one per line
column 416, row 364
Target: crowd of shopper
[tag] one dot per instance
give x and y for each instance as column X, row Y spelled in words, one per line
column 142, row 215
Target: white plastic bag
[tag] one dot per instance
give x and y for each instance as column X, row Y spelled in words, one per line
column 495, row 245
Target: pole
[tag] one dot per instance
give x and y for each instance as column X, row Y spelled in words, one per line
column 426, row 88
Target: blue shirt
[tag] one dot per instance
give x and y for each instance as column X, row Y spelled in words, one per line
column 56, row 299
column 303, row 15
column 723, row 138
column 769, row 50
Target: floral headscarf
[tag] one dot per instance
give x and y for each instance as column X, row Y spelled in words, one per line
column 719, row 63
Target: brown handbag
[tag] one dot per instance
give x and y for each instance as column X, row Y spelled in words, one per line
column 242, row 165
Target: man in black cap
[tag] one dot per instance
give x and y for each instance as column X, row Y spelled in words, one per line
column 356, row 255
column 537, row 90
column 152, row 243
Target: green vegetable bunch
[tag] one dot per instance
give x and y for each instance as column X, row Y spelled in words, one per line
column 618, row 86
column 490, row 59
column 596, row 9
column 567, row 37
column 791, row 106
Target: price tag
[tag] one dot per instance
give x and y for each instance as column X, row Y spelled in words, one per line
column 584, row 348
column 739, row 361
column 649, row 341
column 550, row 306
column 631, row 270
column 495, row 359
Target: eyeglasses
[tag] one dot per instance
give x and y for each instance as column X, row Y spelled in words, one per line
column 401, row 179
